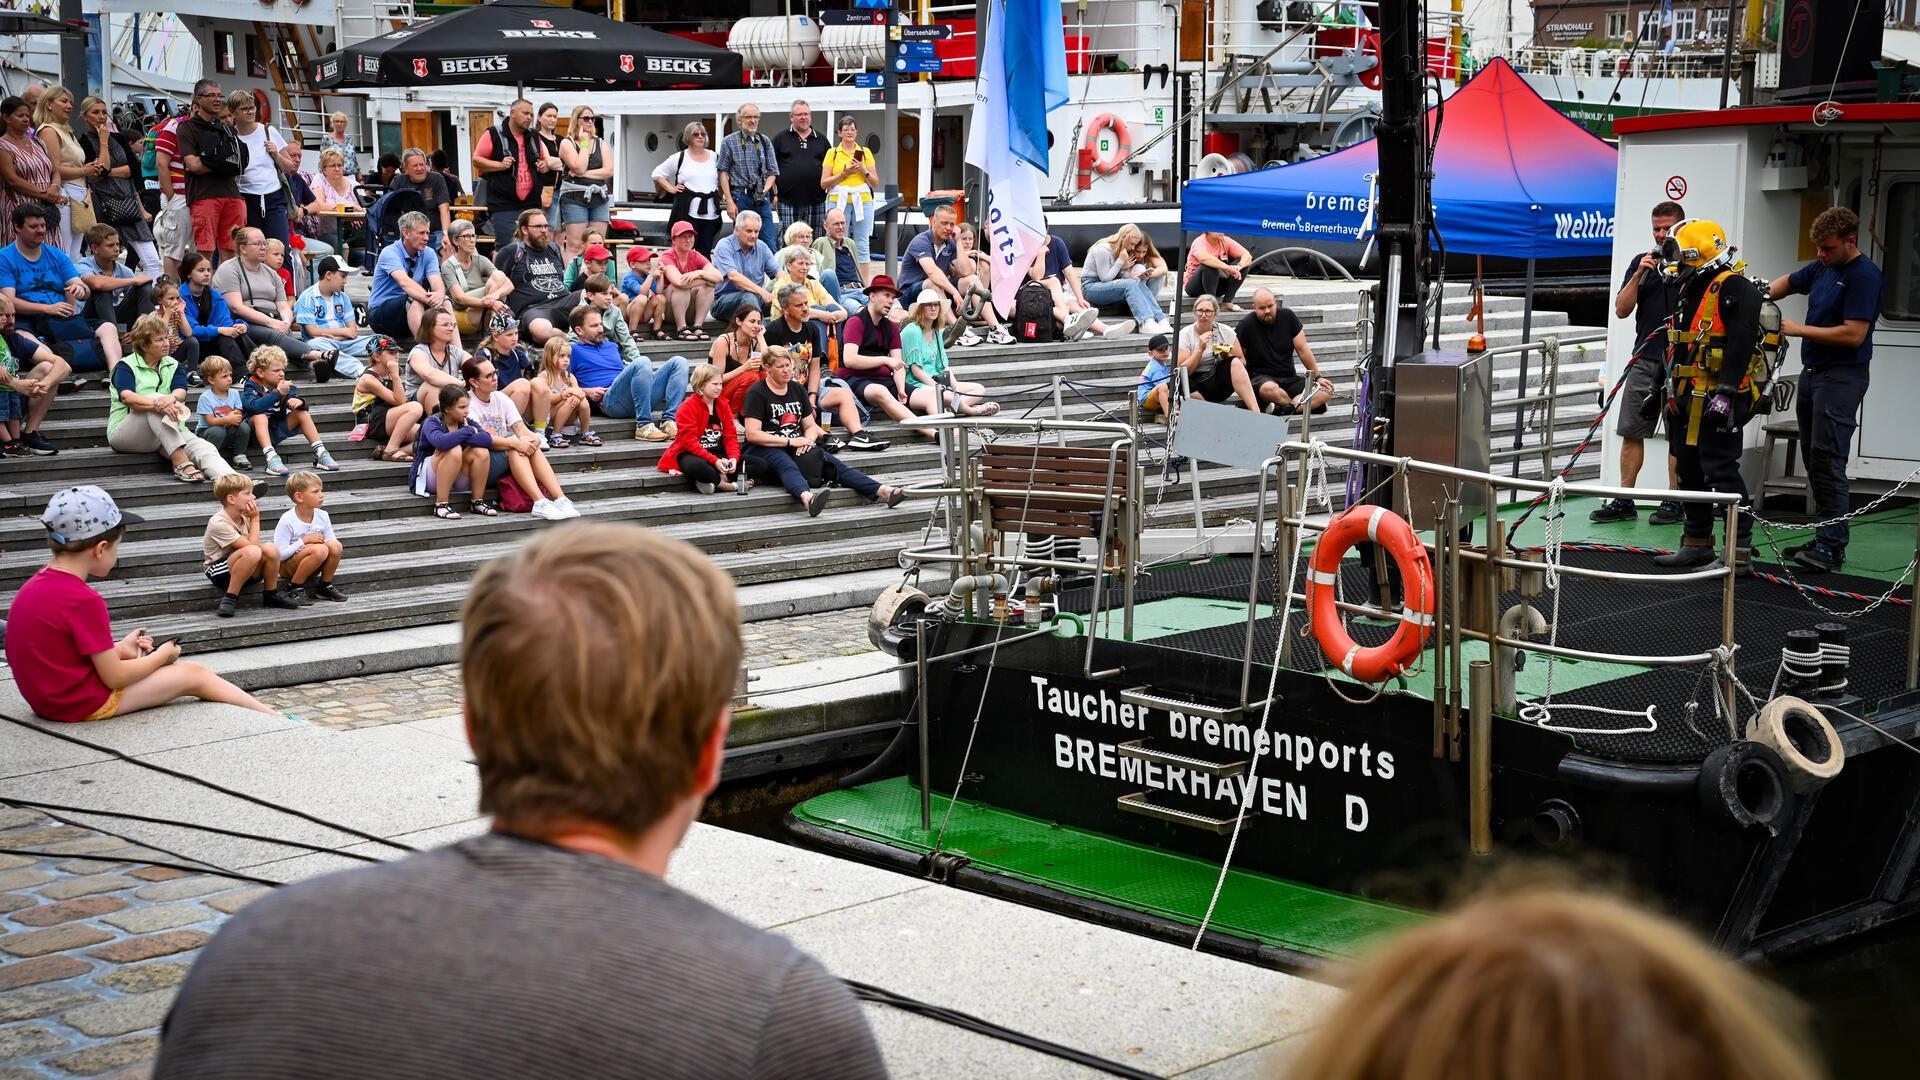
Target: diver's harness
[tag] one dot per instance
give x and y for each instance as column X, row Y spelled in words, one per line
column 1698, row 377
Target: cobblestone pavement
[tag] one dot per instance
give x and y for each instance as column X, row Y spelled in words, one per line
column 424, row 693
column 93, row 947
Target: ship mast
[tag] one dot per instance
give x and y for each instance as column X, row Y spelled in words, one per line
column 1403, row 207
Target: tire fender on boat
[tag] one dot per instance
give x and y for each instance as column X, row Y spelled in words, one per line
column 1122, row 139
column 1391, row 531
column 1806, row 742
column 1744, row 784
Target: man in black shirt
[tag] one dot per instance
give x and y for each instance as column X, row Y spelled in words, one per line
column 1270, row 337
column 538, row 271
column 416, row 175
column 807, row 339
column 1650, row 301
column 801, row 154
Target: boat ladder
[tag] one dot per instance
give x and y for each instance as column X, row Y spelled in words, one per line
column 1145, row 750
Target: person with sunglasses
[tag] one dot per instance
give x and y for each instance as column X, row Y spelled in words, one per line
column 586, row 191
column 691, row 178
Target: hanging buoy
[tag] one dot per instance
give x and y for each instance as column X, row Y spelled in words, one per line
column 1123, row 143
column 1378, row 525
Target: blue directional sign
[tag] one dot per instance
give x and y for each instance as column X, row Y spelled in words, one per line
column 870, row 79
column 922, row 49
column 917, row 65
column 936, row 32
column 853, row 18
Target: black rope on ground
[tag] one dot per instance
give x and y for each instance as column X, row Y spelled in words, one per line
column 50, row 808
column 210, row 785
column 968, row 1022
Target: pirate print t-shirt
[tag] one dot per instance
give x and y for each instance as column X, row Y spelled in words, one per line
column 779, row 414
column 538, row 274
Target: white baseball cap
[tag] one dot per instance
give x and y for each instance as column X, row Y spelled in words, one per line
column 81, row 513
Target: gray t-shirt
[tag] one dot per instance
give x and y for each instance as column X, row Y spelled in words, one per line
column 260, row 289
column 506, row 958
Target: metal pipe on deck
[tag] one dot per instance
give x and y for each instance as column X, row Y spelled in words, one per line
column 1480, row 759
column 926, row 739
column 1726, row 603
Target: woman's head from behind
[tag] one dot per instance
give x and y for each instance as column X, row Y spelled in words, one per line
column 1548, row 982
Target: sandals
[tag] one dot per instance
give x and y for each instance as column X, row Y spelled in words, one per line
column 384, row 454
column 687, row 334
column 701, row 335
column 988, row 408
column 587, row 438
column 899, row 496
column 818, row 501
column 484, row 508
column 186, row 472
column 445, row 511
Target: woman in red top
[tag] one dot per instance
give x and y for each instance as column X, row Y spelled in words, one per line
column 741, row 355
column 705, row 447
column 690, row 284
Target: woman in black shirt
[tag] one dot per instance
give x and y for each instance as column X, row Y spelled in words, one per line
column 783, row 437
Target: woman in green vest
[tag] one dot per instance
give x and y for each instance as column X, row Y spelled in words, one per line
column 148, row 411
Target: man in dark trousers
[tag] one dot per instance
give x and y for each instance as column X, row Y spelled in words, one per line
column 1843, row 302
column 553, row 944
column 1649, row 300
column 1713, row 391
column 801, row 153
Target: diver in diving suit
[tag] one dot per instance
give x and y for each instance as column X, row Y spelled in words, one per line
column 1716, row 378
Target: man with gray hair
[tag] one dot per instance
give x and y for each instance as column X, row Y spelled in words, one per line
column 417, row 175
column 406, row 281
column 745, row 263
column 748, row 167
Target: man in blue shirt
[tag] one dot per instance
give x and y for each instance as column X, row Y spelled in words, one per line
column 1843, row 290
column 47, row 294
column 745, row 263
column 928, row 259
column 406, row 281
column 618, row 387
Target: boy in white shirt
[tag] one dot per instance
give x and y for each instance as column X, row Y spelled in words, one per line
column 324, row 313
column 308, row 547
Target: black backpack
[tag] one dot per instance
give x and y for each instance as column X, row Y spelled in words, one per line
column 1033, row 314
column 222, row 151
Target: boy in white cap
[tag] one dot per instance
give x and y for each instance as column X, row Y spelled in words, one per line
column 59, row 643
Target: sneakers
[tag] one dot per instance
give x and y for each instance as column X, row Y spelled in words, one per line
column 832, row 444
column 38, row 445
column 14, row 448
column 650, row 432
column 566, row 507
column 1078, row 322
column 327, row 591
column 323, row 460
column 1119, row 329
column 228, row 604
column 242, row 461
column 996, row 336
column 672, row 429
column 703, row 487
column 1615, row 510
column 282, row 597
column 1667, row 513
column 863, row 441
column 968, row 338
column 275, row 465
column 1818, row 557
column 1156, row 326
column 545, row 510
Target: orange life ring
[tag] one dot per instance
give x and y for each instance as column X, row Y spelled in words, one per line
column 1370, row 46
column 1388, row 529
column 1110, row 164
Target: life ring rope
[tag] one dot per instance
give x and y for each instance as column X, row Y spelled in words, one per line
column 1123, row 143
column 1379, row 525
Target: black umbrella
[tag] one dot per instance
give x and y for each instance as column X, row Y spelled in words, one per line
column 528, row 43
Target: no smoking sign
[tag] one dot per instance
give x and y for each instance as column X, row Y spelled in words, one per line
column 1676, row 187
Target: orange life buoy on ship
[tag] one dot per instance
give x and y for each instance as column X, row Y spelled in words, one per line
column 1123, row 141
column 1370, row 46
column 1388, row 529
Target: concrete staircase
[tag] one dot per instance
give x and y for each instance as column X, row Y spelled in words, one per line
column 405, row 568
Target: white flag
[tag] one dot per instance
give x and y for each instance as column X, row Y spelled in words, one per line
column 1016, row 230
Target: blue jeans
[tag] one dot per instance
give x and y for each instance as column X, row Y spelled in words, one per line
column 1136, row 294
column 762, row 206
column 641, row 388
column 798, row 472
column 1827, row 405
column 726, row 304
column 861, row 233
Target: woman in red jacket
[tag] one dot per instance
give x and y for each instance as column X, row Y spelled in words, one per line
column 705, row 447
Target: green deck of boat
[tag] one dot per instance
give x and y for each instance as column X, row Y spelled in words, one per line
column 1096, row 867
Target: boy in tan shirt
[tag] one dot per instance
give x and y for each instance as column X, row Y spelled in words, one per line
column 234, row 553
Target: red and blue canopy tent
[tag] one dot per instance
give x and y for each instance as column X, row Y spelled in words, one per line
column 1512, row 177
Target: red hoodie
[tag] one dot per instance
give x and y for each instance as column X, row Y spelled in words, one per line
column 689, row 422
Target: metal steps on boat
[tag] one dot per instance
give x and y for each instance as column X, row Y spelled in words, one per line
column 1139, row 803
column 1144, row 751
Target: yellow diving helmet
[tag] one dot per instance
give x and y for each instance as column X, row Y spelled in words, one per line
column 1698, row 244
